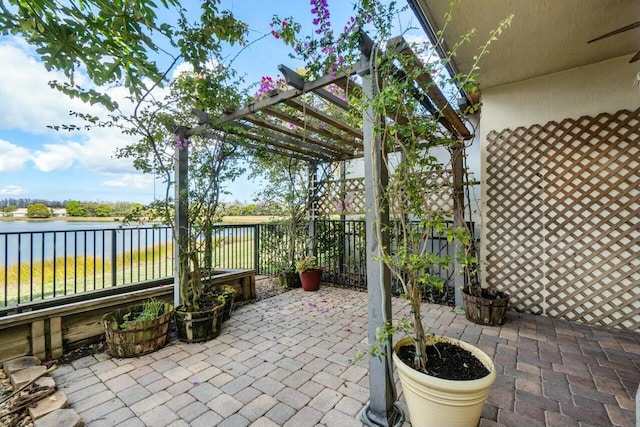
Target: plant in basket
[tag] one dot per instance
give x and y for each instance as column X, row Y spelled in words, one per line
column 196, row 169
column 310, row 272
column 138, row 329
column 485, row 306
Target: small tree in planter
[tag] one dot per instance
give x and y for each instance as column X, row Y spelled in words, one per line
column 288, row 185
column 212, row 160
column 408, row 198
column 112, row 50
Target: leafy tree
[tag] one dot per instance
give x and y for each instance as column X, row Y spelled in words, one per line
column 117, row 42
column 75, row 208
column 38, row 210
column 10, row 208
column 103, row 210
column 287, row 186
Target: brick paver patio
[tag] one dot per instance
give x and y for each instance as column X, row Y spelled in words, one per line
column 282, row 361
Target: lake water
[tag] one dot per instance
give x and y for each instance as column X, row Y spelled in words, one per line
column 32, row 241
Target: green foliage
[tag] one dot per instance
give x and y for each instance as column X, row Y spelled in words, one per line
column 38, row 210
column 103, row 210
column 75, row 208
column 407, row 146
column 151, row 309
column 307, row 263
column 10, row 208
column 117, row 42
column 213, row 160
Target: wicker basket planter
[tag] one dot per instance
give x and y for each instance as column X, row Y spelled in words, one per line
column 488, row 309
column 229, row 298
column 138, row 337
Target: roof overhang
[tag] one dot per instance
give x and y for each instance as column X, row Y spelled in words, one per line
column 545, row 36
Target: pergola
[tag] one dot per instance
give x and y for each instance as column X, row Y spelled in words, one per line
column 320, row 138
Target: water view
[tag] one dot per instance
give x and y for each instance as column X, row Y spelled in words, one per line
column 31, row 241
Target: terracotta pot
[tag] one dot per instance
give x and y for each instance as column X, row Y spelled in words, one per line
column 311, row 279
column 435, row 402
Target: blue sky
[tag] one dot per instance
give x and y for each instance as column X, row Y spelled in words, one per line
column 37, row 162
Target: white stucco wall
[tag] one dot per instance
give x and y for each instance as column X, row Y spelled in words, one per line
column 607, row 86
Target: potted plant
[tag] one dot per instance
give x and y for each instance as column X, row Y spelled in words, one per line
column 445, row 381
column 137, row 330
column 228, row 294
column 310, row 273
column 195, row 168
column 484, row 306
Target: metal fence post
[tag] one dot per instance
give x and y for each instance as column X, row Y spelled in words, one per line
column 256, row 248
column 114, row 260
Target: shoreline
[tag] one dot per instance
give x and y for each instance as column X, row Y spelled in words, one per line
column 250, row 219
column 63, row 218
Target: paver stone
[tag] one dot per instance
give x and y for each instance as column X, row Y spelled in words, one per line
column 44, row 406
column 20, row 378
column 20, row 363
column 60, row 418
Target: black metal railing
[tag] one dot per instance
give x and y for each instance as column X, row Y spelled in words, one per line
column 48, row 264
column 41, row 265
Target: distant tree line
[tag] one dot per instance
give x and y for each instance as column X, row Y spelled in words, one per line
column 43, row 209
column 93, row 209
column 24, row 203
column 37, row 208
column 252, row 209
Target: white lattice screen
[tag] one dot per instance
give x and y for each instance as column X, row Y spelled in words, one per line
column 347, row 196
column 563, row 218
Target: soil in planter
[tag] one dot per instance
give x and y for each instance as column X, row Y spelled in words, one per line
column 447, row 361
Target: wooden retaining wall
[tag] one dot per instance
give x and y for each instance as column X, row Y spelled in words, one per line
column 48, row 332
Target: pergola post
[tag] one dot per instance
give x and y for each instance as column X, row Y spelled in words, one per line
column 181, row 171
column 312, row 203
column 381, row 409
column 457, row 165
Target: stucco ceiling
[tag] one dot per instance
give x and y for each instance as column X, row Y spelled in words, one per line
column 545, row 36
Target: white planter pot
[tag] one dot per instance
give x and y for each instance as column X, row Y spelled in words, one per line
column 437, row 402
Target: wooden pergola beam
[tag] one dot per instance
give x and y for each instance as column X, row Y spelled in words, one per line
column 400, row 46
column 297, row 81
column 282, row 141
column 322, row 116
column 315, row 128
column 294, row 134
column 244, row 143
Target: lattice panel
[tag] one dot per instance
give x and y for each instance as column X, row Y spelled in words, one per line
column 342, row 197
column 563, row 218
column 347, row 197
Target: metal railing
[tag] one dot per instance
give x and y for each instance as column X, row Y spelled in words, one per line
column 47, row 264
column 42, row 265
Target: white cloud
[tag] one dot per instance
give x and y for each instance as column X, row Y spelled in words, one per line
column 29, row 104
column 13, row 157
column 54, row 157
column 11, row 190
column 131, row 180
